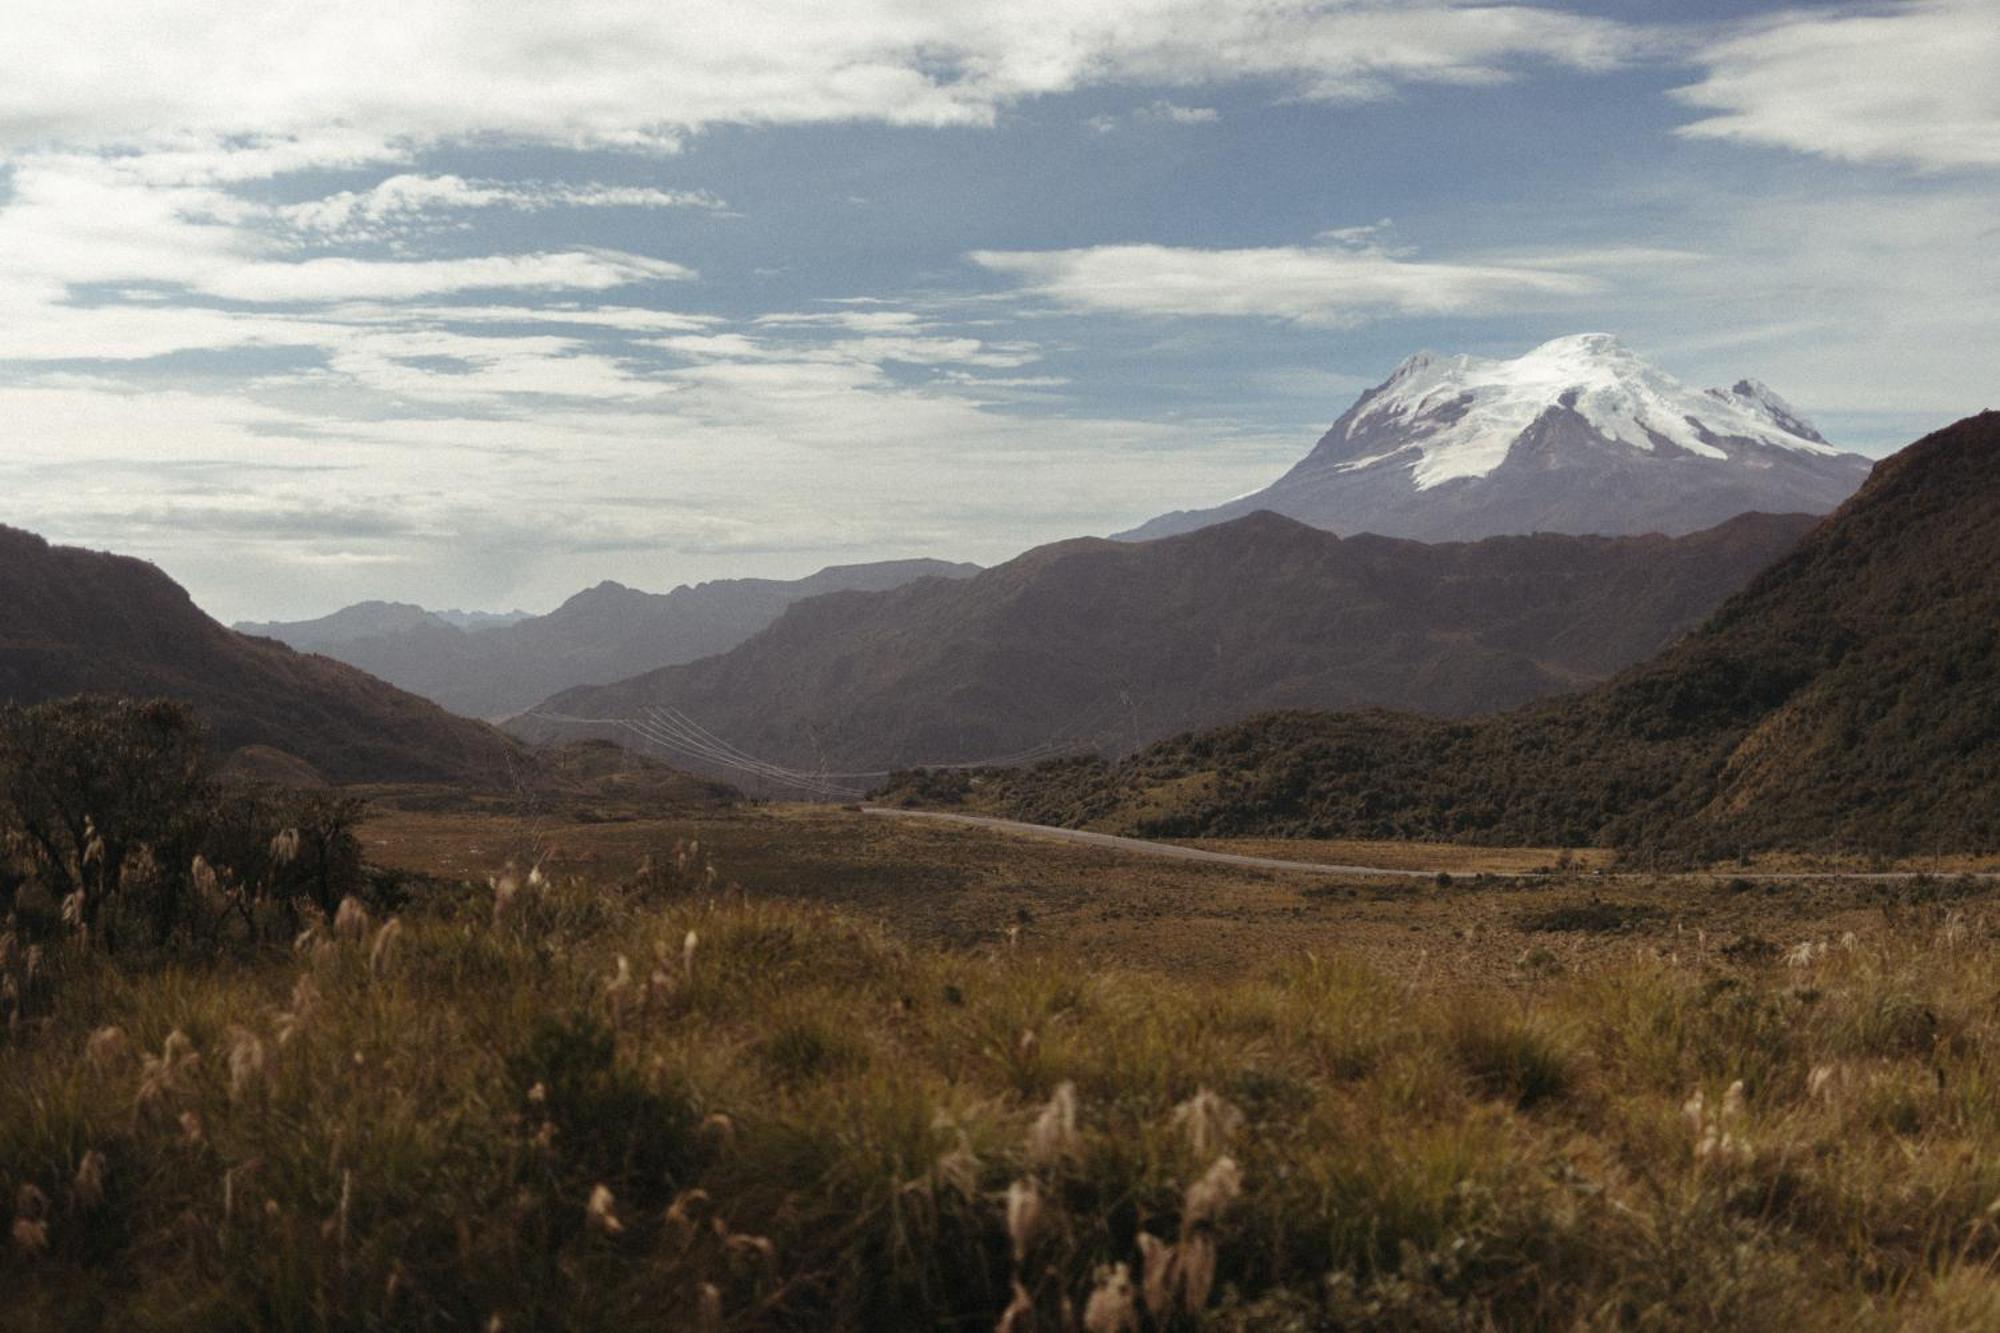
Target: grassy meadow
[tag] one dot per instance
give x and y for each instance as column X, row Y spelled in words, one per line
column 651, row 1100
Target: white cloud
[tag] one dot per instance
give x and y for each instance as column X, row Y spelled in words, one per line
column 75, row 219
column 409, row 197
column 1159, row 111
column 1316, row 286
column 646, row 71
column 336, row 278
column 1917, row 83
column 1176, row 114
column 877, row 338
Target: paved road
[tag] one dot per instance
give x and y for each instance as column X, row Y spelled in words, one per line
column 1178, row 853
column 1142, row 847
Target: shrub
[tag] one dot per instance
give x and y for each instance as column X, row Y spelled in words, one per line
column 105, row 804
column 87, row 783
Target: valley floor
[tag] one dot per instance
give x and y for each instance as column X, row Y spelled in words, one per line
column 965, row 886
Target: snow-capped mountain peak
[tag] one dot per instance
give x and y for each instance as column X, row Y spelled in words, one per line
column 1460, row 416
column 1580, row 434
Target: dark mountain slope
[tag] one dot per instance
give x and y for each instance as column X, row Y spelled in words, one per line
column 602, row 634
column 1108, row 645
column 75, row 621
column 1848, row 698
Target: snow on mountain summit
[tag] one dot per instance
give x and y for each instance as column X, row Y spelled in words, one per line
column 1578, row 435
column 1468, row 411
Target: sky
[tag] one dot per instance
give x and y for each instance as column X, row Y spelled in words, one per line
column 474, row 303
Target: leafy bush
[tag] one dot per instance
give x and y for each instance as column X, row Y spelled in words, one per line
column 112, row 834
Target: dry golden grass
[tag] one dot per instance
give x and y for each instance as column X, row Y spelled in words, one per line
column 587, row 1098
column 1450, row 857
column 965, row 886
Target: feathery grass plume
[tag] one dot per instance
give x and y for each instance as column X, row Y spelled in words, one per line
column 1024, row 1215
column 1211, row 1196
column 600, row 1211
column 1027, row 1046
column 350, row 920
column 743, row 1243
column 162, row 1075
column 1111, row 1308
column 107, row 1046
column 535, row 877
column 31, row 1220
column 311, row 942
column 1159, row 1268
column 285, row 847
column 1208, row 1121
column 30, row 1237
column 618, row 989
column 72, row 910
column 679, row 1222
column 87, row 1190
column 1718, row 1137
column 1824, row 1081
column 193, row 1132
column 958, row 1168
column 246, row 1060
column 1054, row 1138
column 1805, row 953
column 1196, row 1262
column 708, row 1308
column 382, row 953
column 1019, row 1316
column 505, row 890
column 210, row 886
column 688, row 947
column 305, row 1000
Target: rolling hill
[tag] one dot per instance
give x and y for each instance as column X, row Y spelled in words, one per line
column 1107, row 645
column 606, row 633
column 1847, row 699
column 85, row 622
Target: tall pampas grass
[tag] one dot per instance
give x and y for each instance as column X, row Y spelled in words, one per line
column 1054, row 1138
column 350, row 920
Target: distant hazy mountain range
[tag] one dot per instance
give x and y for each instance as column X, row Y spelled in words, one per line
column 492, row 670
column 1104, row 644
column 366, row 620
column 1847, row 699
column 1578, row 435
column 75, row 621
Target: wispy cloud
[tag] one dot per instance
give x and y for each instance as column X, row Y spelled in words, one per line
column 407, row 199
column 1324, row 286
column 1916, row 83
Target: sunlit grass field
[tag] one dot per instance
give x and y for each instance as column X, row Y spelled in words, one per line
column 538, row 1104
